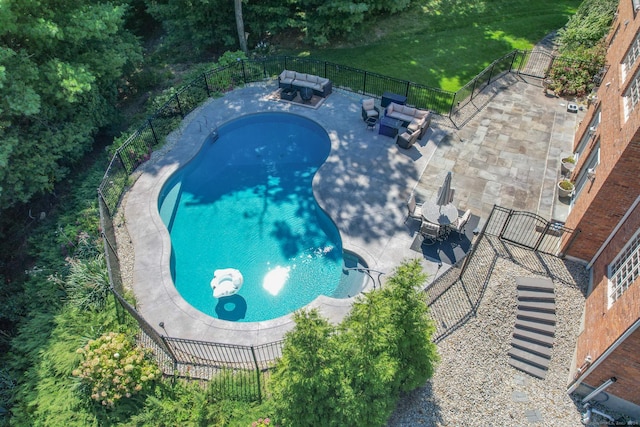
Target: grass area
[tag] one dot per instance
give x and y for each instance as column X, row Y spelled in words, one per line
column 445, row 44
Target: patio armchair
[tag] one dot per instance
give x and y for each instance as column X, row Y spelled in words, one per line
column 407, row 139
column 460, row 223
column 413, row 208
column 369, row 109
column 430, row 232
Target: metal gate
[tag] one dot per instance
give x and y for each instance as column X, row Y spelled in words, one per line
column 536, row 63
column 528, row 230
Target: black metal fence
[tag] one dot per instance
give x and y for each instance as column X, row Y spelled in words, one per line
column 530, row 231
column 219, row 361
column 455, row 296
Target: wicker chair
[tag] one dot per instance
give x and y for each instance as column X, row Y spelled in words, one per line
column 413, row 208
column 369, row 109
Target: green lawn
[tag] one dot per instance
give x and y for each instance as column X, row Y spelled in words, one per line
column 445, row 44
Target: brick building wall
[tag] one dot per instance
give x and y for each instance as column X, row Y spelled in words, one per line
column 622, row 364
column 604, row 324
column 603, row 202
column 600, row 207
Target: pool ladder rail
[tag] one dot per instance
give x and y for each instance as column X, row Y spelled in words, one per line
column 368, row 272
column 213, row 131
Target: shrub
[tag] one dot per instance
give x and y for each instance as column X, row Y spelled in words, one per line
column 329, row 375
column 114, row 367
column 88, row 283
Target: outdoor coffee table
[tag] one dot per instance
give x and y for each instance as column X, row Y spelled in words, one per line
column 288, row 94
column 389, row 126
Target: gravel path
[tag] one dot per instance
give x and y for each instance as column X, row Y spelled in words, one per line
column 474, row 385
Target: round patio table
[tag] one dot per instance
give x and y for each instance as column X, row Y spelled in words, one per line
column 443, row 215
column 306, row 93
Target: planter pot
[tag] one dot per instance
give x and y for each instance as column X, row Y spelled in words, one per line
column 562, row 192
column 567, row 167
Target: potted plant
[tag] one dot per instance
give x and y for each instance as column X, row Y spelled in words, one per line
column 565, row 188
column 568, row 164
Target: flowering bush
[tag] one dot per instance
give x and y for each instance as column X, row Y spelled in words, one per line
column 577, row 74
column 114, row 367
column 262, row 422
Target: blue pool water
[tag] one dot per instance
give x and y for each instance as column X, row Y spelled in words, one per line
column 246, row 202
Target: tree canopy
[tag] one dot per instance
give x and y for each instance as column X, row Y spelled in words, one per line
column 60, row 64
column 329, row 375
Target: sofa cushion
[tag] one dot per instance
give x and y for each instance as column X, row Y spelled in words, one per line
column 368, row 104
column 409, row 111
column 312, row 79
column 392, row 107
column 421, row 114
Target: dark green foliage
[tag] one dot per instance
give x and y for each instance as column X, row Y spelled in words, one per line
column 209, row 24
column 60, row 64
column 588, row 26
column 195, row 27
column 330, row 376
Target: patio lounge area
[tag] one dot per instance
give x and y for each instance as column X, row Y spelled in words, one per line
column 363, row 186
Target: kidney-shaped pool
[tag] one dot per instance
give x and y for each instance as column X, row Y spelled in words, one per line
column 245, row 202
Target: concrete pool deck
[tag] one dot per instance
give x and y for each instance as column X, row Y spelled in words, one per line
column 363, row 186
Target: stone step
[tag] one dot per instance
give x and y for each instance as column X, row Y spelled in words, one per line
column 540, row 350
column 530, row 358
column 533, row 337
column 535, row 296
column 542, row 328
column 534, row 284
column 527, row 368
column 543, row 306
column 536, row 316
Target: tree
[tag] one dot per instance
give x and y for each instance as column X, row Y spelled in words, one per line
column 305, row 379
column 60, row 65
column 237, row 5
column 330, row 376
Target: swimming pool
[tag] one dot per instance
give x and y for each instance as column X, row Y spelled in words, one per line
column 246, row 202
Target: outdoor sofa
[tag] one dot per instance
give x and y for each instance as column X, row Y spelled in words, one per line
column 293, row 79
column 413, row 118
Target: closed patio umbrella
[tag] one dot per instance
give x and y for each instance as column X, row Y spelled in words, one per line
column 444, row 194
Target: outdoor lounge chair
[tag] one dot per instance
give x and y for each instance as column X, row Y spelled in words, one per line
column 430, row 232
column 413, row 208
column 460, row 223
column 406, row 139
column 369, row 109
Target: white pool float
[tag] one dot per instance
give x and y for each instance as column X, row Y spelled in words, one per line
column 226, row 282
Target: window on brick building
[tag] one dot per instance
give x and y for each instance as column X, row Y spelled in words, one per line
column 632, row 95
column 592, row 163
column 586, row 137
column 624, row 269
column 630, row 58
